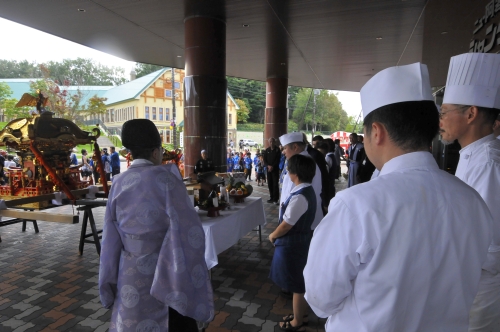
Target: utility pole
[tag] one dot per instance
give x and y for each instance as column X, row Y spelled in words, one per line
column 313, row 125
column 173, row 109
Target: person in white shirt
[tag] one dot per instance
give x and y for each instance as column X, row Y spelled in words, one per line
column 292, row 238
column 402, row 252
column 293, row 144
column 471, row 104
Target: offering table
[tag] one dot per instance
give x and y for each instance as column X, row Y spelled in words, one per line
column 224, row 231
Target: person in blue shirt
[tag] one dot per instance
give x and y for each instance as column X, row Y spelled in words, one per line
column 236, row 163
column 282, row 162
column 115, row 161
column 230, row 162
column 256, row 161
column 72, row 157
column 260, row 171
column 248, row 166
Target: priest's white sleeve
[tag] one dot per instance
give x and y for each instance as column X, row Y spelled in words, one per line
column 337, row 249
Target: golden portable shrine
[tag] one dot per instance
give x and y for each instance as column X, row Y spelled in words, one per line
column 44, row 144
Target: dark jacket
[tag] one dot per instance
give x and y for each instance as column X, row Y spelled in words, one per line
column 327, row 188
column 272, row 158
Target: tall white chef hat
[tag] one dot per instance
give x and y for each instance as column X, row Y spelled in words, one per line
column 291, row 138
column 396, row 85
column 474, row 79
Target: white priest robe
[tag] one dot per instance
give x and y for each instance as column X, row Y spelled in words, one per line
column 479, row 167
column 316, row 184
column 402, row 252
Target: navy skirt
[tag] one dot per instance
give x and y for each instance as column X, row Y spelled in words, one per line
column 288, row 266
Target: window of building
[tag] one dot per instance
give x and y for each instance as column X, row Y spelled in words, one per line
column 146, row 112
column 168, row 135
column 168, row 93
column 230, row 118
column 160, row 114
column 167, row 114
column 153, row 110
column 177, row 85
column 112, row 115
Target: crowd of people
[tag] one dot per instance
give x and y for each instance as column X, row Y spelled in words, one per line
column 407, row 247
column 88, row 167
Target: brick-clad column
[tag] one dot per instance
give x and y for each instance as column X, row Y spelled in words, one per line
column 276, row 120
column 205, row 86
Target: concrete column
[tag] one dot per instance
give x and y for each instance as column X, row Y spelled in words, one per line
column 205, row 86
column 276, row 120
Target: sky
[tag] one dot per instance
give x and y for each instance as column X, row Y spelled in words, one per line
column 15, row 47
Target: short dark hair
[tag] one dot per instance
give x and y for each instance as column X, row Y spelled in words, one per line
column 301, row 145
column 323, row 145
column 303, row 166
column 84, row 151
column 317, row 138
column 354, row 135
column 141, row 153
column 411, row 125
column 331, row 144
column 489, row 114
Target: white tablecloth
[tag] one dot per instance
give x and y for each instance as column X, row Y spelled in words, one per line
column 224, row 231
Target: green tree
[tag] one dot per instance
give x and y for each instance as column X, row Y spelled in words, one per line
column 328, row 116
column 68, row 72
column 95, row 106
column 354, row 124
column 5, row 93
column 143, row 69
column 12, row 112
column 253, row 93
column 21, row 69
column 66, row 104
column 84, row 72
column 243, row 112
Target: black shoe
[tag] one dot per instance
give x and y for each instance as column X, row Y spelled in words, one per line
column 276, row 203
column 270, row 201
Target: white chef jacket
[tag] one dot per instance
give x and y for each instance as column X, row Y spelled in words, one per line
column 316, row 183
column 402, row 252
column 479, row 167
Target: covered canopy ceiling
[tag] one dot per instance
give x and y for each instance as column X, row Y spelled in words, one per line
column 336, row 44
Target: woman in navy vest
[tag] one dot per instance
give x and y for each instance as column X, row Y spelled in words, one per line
column 292, row 238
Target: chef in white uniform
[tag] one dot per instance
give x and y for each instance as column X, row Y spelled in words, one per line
column 471, row 104
column 293, row 144
column 402, row 252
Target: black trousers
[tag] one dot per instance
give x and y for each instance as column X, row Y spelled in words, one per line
column 273, row 179
column 115, row 170
column 180, row 323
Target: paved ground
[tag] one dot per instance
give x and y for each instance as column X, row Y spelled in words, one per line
column 46, row 286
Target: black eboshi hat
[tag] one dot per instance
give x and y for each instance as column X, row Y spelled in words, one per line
column 140, row 133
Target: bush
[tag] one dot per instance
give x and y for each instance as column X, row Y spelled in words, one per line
column 250, row 127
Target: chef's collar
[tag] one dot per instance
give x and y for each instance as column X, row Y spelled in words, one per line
column 419, row 159
column 469, row 149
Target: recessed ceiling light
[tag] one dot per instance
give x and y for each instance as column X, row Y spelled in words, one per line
column 81, row 10
column 246, row 25
column 179, row 56
column 379, row 38
column 444, row 32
